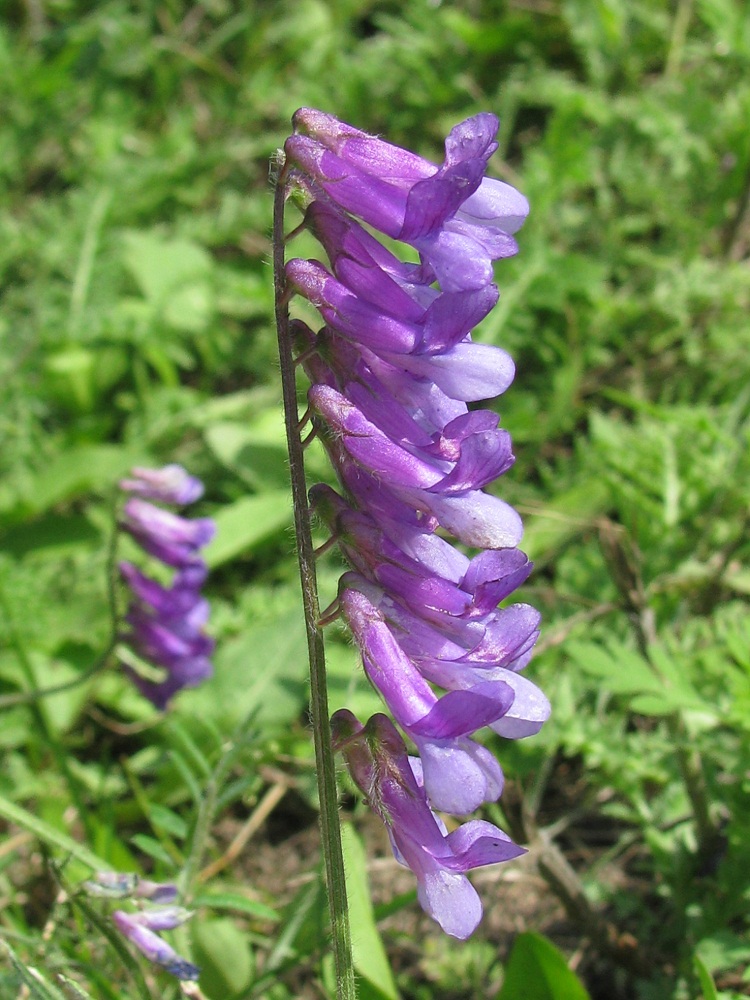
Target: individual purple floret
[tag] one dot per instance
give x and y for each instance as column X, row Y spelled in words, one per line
column 127, row 885
column 166, row 623
column 459, row 220
column 394, row 370
column 171, row 539
column 390, row 780
column 170, row 484
column 140, row 928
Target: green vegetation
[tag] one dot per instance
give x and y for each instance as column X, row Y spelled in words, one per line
column 136, row 328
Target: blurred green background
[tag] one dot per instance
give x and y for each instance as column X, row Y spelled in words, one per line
column 136, row 327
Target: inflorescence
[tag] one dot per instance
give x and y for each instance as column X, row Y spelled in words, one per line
column 164, row 647
column 394, row 371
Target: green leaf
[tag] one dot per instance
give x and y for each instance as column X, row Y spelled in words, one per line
column 255, row 451
column 370, row 960
column 223, row 953
column 153, row 848
column 536, row 970
column 233, row 901
column 723, row 950
column 38, row 988
column 245, row 524
column 49, row 835
column 165, row 819
column 623, row 670
column 708, row 987
column 261, row 671
column 565, row 517
column 162, row 266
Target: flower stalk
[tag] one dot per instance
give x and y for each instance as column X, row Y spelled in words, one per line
column 324, row 757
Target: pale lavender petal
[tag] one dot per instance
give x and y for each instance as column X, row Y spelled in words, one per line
column 452, row 901
column 170, row 484
column 467, row 372
column 529, row 711
column 459, row 775
column 477, row 519
column 496, row 203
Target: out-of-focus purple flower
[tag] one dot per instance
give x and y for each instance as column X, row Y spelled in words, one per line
column 166, row 623
column 171, row 539
column 128, row 885
column 393, row 371
column 390, row 780
column 170, row 484
column 140, row 928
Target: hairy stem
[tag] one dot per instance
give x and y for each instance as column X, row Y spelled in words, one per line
column 324, row 758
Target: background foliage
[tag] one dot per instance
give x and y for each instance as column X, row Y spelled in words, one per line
column 137, row 328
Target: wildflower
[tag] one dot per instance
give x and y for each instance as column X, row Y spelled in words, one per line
column 393, row 371
column 459, row 220
column 125, row 885
column 391, row 781
column 172, row 539
column 166, row 647
column 170, row 484
column 140, row 928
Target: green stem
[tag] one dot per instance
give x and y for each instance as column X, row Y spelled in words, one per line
column 324, row 758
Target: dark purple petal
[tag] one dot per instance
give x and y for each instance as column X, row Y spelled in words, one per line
column 378, row 202
column 483, row 457
column 349, row 316
column 368, row 445
column 492, row 575
column 360, row 149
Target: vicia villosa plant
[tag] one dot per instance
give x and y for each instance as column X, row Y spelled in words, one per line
column 394, row 378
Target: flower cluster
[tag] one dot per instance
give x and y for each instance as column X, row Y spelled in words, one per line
column 165, row 623
column 142, row 927
column 394, row 371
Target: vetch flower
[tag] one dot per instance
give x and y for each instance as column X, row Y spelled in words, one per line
column 172, row 539
column 394, row 370
column 141, row 929
column 165, row 647
column 128, row 885
column 391, row 781
column 170, row 484
column 459, row 220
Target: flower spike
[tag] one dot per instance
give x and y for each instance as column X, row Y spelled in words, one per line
column 393, row 370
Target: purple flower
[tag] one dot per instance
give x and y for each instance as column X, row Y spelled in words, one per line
column 124, row 885
column 171, row 539
column 140, row 929
column 170, row 484
column 393, row 371
column 458, row 220
column 391, row 781
column 165, row 645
